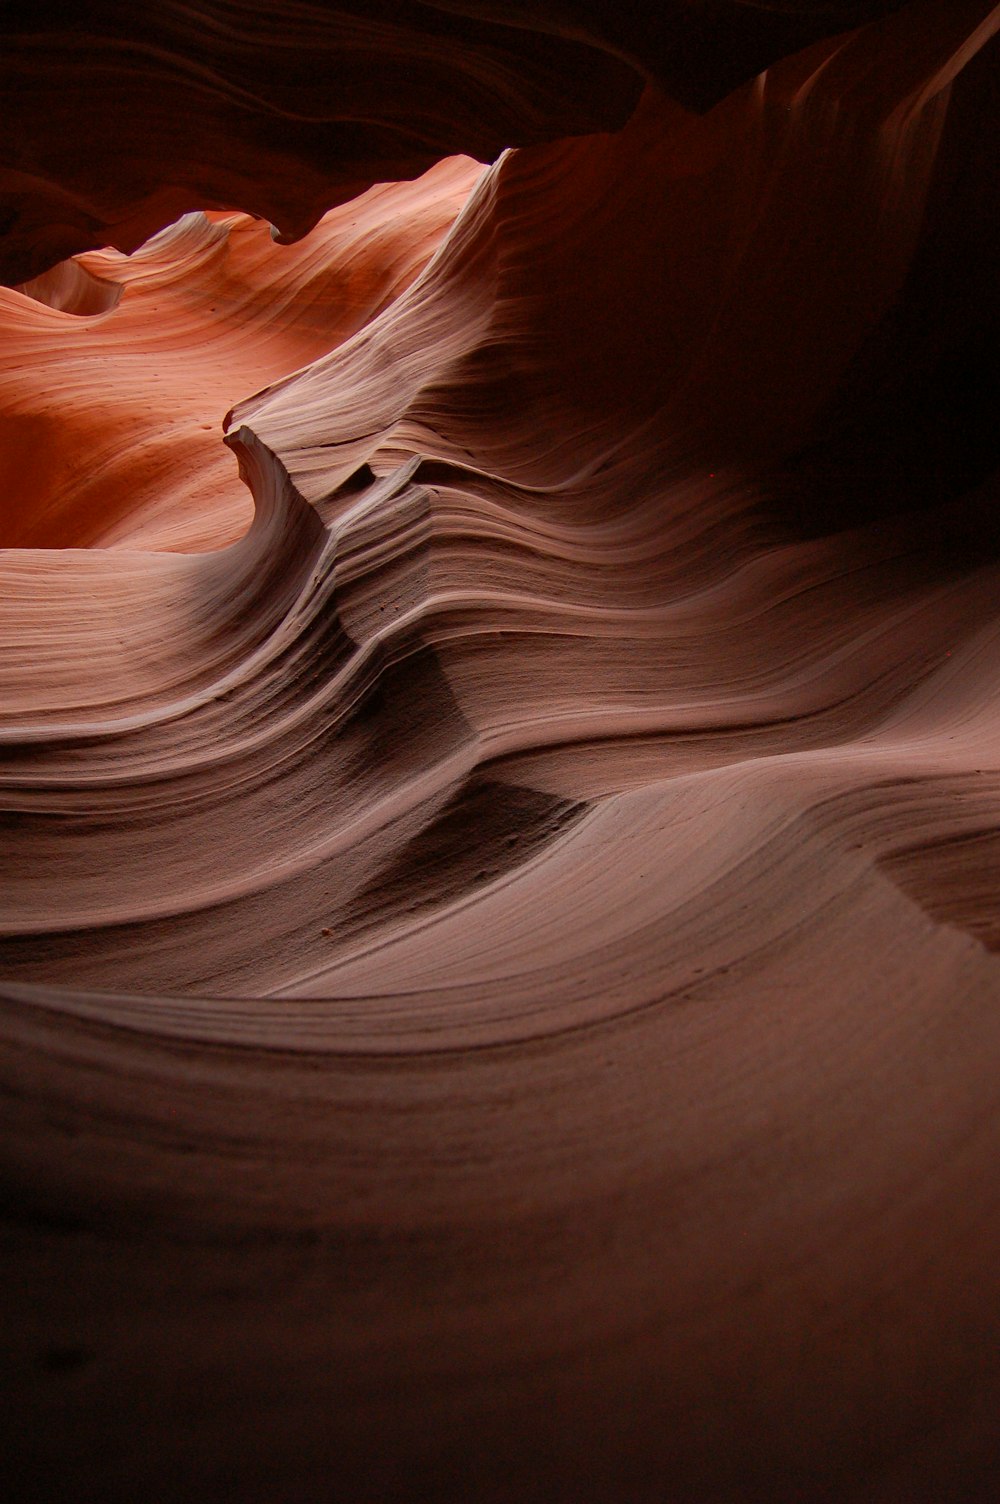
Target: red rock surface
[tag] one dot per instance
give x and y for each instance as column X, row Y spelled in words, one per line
column 500, row 923
column 208, row 308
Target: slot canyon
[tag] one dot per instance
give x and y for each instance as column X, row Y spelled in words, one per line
column 500, row 752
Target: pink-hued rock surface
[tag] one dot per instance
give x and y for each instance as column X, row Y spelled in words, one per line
column 500, row 753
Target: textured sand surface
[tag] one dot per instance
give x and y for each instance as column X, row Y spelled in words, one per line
column 500, row 757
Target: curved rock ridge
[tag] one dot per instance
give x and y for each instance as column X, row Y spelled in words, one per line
column 205, row 309
column 501, row 951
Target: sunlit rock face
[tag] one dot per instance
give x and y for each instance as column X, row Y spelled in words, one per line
column 112, row 426
column 499, row 755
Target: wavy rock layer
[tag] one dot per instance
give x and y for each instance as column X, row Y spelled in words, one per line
column 501, row 962
column 208, row 308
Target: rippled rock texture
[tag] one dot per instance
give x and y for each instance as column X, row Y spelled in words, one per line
column 500, row 753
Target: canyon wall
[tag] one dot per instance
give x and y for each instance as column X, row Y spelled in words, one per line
column 500, row 752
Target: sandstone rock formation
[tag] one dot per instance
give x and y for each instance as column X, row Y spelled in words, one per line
column 500, row 765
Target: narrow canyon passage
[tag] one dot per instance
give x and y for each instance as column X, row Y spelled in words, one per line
column 500, row 752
